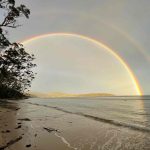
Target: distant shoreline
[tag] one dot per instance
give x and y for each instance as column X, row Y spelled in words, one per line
column 66, row 95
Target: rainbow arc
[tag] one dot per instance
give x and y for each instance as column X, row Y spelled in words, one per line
column 125, row 65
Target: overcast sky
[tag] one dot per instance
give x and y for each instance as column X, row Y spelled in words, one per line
column 123, row 25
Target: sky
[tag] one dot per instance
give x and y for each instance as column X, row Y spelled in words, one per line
column 71, row 63
column 123, row 25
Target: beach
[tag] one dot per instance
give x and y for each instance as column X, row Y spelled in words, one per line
column 50, row 124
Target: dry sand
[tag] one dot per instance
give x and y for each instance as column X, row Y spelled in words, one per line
column 26, row 126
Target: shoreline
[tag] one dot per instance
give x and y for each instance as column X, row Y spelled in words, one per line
column 36, row 127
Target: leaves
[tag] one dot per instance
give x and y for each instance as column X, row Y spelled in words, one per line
column 15, row 63
column 12, row 13
column 16, row 68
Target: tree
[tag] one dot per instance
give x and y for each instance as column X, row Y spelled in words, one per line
column 15, row 63
column 11, row 14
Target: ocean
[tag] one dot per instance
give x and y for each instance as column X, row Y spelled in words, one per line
column 125, row 111
column 79, row 123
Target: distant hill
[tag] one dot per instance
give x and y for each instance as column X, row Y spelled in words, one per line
column 94, row 94
column 59, row 95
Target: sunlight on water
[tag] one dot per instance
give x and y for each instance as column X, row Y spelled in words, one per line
column 126, row 110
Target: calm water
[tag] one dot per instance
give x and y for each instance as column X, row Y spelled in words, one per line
column 128, row 111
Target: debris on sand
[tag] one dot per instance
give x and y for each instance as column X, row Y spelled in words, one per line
column 11, row 142
column 51, row 129
column 7, row 131
column 28, row 145
column 24, row 119
column 18, row 127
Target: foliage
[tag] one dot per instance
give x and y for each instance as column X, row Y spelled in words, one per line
column 15, row 63
column 11, row 14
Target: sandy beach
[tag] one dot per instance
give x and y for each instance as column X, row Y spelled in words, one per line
column 75, row 75
column 25, row 125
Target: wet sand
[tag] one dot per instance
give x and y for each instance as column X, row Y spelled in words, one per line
column 36, row 127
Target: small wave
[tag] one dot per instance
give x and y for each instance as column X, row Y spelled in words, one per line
column 143, row 114
column 65, row 141
column 105, row 120
column 117, row 123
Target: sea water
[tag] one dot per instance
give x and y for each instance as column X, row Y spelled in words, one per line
column 126, row 111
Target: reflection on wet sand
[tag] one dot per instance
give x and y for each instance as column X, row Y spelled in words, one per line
column 43, row 127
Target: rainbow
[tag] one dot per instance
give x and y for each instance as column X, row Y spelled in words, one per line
column 125, row 65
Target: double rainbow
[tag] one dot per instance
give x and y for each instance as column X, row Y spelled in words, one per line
column 125, row 65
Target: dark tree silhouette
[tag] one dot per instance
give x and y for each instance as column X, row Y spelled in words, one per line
column 15, row 63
